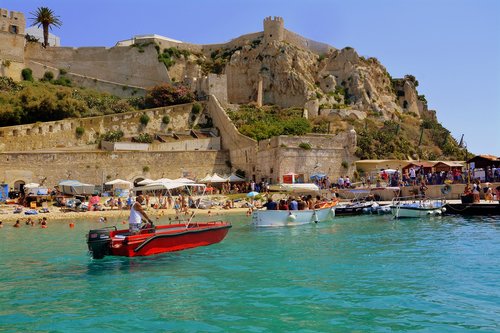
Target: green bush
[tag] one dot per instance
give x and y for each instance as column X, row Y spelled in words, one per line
column 144, row 119
column 196, row 108
column 167, row 94
column 62, row 71
column 62, row 81
column 48, row 76
column 27, row 74
column 344, row 164
column 79, row 131
column 144, row 138
column 305, row 145
column 113, row 136
column 165, row 119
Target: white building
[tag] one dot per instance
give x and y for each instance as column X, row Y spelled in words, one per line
column 38, row 33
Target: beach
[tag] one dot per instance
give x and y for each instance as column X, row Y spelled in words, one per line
column 55, row 214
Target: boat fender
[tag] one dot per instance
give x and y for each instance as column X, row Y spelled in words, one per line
column 443, row 209
column 315, row 217
column 446, row 189
column 291, row 218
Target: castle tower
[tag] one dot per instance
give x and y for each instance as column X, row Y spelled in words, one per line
column 13, row 22
column 274, row 29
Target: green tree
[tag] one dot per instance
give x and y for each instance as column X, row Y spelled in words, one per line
column 45, row 18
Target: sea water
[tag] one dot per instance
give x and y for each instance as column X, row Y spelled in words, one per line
column 353, row 274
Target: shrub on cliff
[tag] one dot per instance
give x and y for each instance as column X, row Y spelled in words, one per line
column 27, row 74
column 143, row 138
column 263, row 123
column 167, row 94
column 30, row 102
column 112, row 136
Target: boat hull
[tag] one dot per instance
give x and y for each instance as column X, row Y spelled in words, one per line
column 415, row 212
column 168, row 238
column 352, row 209
column 472, row 209
column 283, row 218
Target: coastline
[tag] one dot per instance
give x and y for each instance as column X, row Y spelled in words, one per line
column 56, row 215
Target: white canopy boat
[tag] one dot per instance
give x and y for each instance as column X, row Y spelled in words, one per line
column 417, row 207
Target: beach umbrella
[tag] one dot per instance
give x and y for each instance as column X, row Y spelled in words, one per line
column 183, row 180
column 120, row 183
column 206, row 179
column 217, row 179
column 234, row 178
column 145, row 181
column 252, row 194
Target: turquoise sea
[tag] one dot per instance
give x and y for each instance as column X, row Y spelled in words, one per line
column 354, row 274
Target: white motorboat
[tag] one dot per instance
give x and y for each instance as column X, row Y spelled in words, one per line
column 295, row 187
column 283, row 218
column 417, row 207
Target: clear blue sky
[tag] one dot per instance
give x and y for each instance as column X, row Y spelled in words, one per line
column 451, row 46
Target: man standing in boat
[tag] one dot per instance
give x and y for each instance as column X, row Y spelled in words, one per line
column 137, row 213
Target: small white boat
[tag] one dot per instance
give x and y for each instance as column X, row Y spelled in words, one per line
column 284, row 218
column 295, row 187
column 416, row 207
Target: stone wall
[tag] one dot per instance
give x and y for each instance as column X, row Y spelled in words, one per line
column 213, row 84
column 121, row 65
column 184, row 145
column 98, row 167
column 282, row 154
column 12, row 47
column 12, row 22
column 242, row 149
column 305, row 43
column 62, row 133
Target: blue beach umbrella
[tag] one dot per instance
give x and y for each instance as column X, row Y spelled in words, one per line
column 252, row 194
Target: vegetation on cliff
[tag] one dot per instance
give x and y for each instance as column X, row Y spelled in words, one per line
column 30, row 102
column 266, row 122
column 406, row 136
column 49, row 100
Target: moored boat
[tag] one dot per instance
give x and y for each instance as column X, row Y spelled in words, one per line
column 473, row 209
column 155, row 240
column 416, row 207
column 283, row 218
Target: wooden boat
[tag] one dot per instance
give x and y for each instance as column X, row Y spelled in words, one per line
column 416, row 207
column 284, row 218
column 155, row 240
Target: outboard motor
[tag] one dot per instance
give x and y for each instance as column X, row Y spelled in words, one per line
column 99, row 242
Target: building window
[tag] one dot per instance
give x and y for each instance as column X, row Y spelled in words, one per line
column 13, row 29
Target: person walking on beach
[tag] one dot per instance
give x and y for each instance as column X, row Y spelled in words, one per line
column 137, row 213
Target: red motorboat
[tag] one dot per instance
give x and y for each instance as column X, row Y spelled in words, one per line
column 158, row 239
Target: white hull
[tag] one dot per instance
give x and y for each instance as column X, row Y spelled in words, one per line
column 416, row 212
column 283, row 218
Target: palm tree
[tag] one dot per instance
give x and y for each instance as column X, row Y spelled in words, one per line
column 46, row 18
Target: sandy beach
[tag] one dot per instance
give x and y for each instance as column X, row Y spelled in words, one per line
column 55, row 214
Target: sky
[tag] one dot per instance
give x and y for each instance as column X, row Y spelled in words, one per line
column 452, row 47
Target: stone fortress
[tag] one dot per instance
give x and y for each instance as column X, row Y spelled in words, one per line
column 275, row 66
